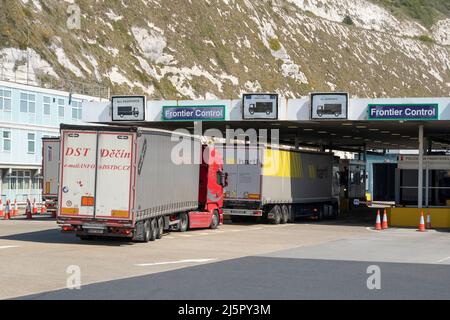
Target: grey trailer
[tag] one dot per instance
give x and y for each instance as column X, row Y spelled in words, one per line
column 278, row 184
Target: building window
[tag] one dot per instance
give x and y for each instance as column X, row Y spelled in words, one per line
column 21, row 180
column 5, row 100
column 31, row 143
column 27, row 102
column 37, row 182
column 47, row 106
column 6, row 140
column 76, row 110
column 61, row 108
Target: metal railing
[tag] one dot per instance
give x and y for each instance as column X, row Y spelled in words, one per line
column 31, row 78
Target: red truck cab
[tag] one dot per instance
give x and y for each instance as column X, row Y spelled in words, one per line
column 212, row 180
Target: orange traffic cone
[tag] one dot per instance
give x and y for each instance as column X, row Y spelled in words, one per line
column 429, row 221
column 2, row 209
column 43, row 208
column 378, row 222
column 7, row 212
column 421, row 223
column 35, row 210
column 384, row 225
column 28, row 209
column 15, row 209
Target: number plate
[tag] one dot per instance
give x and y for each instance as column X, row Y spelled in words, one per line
column 96, row 231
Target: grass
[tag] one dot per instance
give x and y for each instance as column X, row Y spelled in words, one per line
column 425, row 38
column 274, row 44
column 427, row 12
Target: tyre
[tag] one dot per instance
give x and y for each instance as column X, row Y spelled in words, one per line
column 147, row 232
column 160, row 226
column 320, row 214
column 85, row 237
column 215, row 220
column 284, row 214
column 291, row 214
column 276, row 211
column 184, row 222
column 153, row 229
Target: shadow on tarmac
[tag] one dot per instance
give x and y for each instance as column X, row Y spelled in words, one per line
column 358, row 217
column 39, row 217
column 58, row 237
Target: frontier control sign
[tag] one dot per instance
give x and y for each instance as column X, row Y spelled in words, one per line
column 193, row 113
column 427, row 111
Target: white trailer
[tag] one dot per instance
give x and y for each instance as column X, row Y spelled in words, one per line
column 278, row 184
column 124, row 182
column 50, row 172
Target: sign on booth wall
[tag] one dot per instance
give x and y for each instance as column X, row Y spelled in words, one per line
column 260, row 106
column 425, row 111
column 329, row 106
column 193, row 113
column 128, row 108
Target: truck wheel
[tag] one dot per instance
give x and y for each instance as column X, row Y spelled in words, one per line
column 320, row 214
column 153, row 229
column 147, row 232
column 276, row 211
column 284, row 214
column 215, row 220
column 291, row 218
column 160, row 230
column 184, row 222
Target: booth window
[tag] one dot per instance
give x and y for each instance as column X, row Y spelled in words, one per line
column 438, row 187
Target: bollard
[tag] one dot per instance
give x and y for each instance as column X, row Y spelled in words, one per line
column 28, row 211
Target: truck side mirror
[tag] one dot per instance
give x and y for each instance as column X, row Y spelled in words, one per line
column 225, row 180
column 222, row 178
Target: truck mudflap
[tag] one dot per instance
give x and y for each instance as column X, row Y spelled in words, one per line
column 243, row 212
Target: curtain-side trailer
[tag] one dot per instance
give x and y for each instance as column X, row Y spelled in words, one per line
column 128, row 182
column 278, row 184
column 50, row 172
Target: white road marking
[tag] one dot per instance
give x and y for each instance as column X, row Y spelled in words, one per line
column 169, row 237
column 7, row 247
column 185, row 235
column 174, row 262
column 442, row 260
